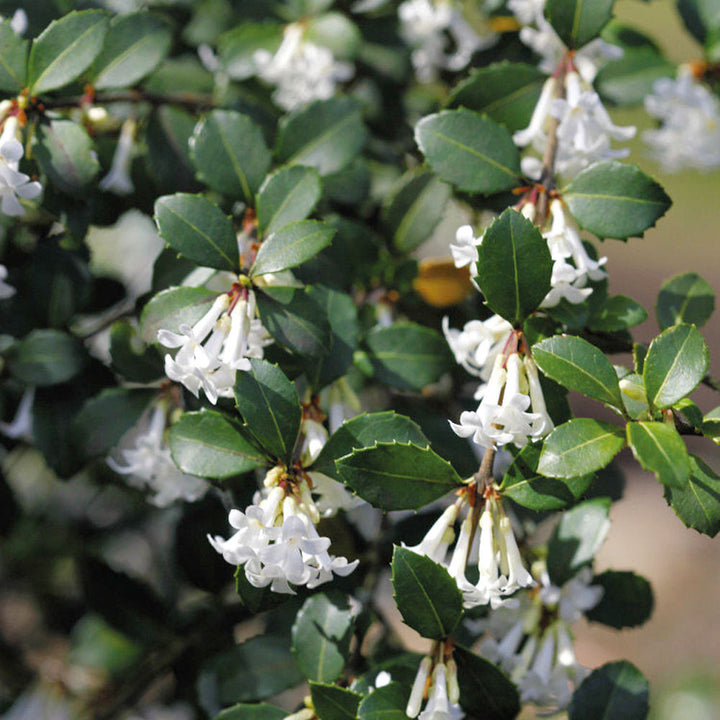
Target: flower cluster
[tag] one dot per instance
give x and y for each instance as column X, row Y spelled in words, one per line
column 689, row 133
column 436, row 680
column 219, row 344
column 14, row 185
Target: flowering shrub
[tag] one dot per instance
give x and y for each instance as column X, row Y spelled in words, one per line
column 277, row 359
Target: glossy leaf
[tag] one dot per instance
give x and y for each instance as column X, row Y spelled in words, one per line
column 237, row 46
column 131, row 358
column 617, row 313
column 676, row 362
column 229, row 152
column 627, row 600
column 685, row 298
column 288, row 195
column 292, row 245
column 46, row 357
column 172, row 308
column 385, row 703
column 427, row 597
column 628, row 80
column 397, row 476
column 252, row 711
column 577, row 22
column 269, row 404
column 331, row 702
column 12, row 60
column 698, row 503
column 198, row 230
column 578, row 365
column 577, row 538
column 659, row 449
column 615, row 200
column 470, row 151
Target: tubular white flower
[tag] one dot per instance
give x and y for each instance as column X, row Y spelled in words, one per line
column 418, row 688
column 541, row 115
column 438, row 538
column 21, row 426
column 6, row 290
column 517, row 574
column 14, row 185
column 118, row 180
column 544, row 424
column 314, row 438
column 438, row 704
column 465, row 248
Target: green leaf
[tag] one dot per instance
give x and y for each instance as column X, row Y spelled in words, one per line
column 614, row 200
column 172, row 308
column 131, row 358
column 288, row 195
column 12, row 59
column 413, row 208
column 321, row 636
column 295, row 320
column 577, row 22
column 269, row 404
column 698, row 503
column 206, row 444
column 617, row 313
column 676, row 362
column 66, row 155
column 659, row 449
column 577, row 538
column 628, row 80
column 104, row 419
column 627, row 600
column 385, row 703
column 198, row 229
column 470, row 151
column 326, row 135
column 515, row 267
column 292, row 245
column 134, row 46
column 578, row 365
column 485, row 691
column 397, row 476
column 505, row 92
column 46, row 357
column 254, row 670
column 337, row 33
column 65, row 48
column 334, row 703
column 578, row 447
column 407, row 356
column 685, row 298
column 633, row 395
column 428, row 599
column 364, row 431
column 711, row 423
column 252, row 711
column 524, row 484
column 615, row 691
column 229, row 152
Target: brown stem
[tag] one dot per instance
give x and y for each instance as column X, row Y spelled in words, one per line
column 481, row 480
column 191, row 101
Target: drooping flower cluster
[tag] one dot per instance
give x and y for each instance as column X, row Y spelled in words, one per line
column 144, row 457
column 301, row 70
column 429, row 27
column 436, row 680
column 219, row 344
column 14, row 185
column 532, row 640
column 689, row 115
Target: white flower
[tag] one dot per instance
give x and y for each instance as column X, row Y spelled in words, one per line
column 13, row 183
column 465, row 248
column 6, row 290
column 476, row 346
column 443, row 693
column 118, row 180
column 689, row 134
column 219, row 344
column 330, row 495
column 144, row 456
column 21, row 427
column 314, row 437
column 301, row 70
column 439, row 537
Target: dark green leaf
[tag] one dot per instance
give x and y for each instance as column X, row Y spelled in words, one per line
column 580, row 446
column 292, row 245
column 523, row 484
column 698, row 503
column 577, row 22
column 408, row 356
column 576, row 538
column 428, row 599
column 326, row 135
column 269, row 404
column 206, row 444
column 615, row 691
column 198, row 229
column 255, row 599
column 252, row 711
column 12, row 59
column 470, row 151
column 578, row 365
column 485, row 691
column 515, row 267
column 627, row 600
column 397, row 476
column 385, row 703
column 131, row 358
column 229, row 152
column 172, row 308
column 414, row 207
column 659, row 449
column 65, row 48
column 295, row 320
column 46, row 357
column 321, row 636
column 66, row 155
column 288, row 195
column 614, row 200
column 364, row 431
column 134, row 46
column 711, row 423
column 334, row 703
column 685, row 298
column 618, row 313
column 700, row 17
column 676, row 362
column 630, row 79
column 506, row 92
